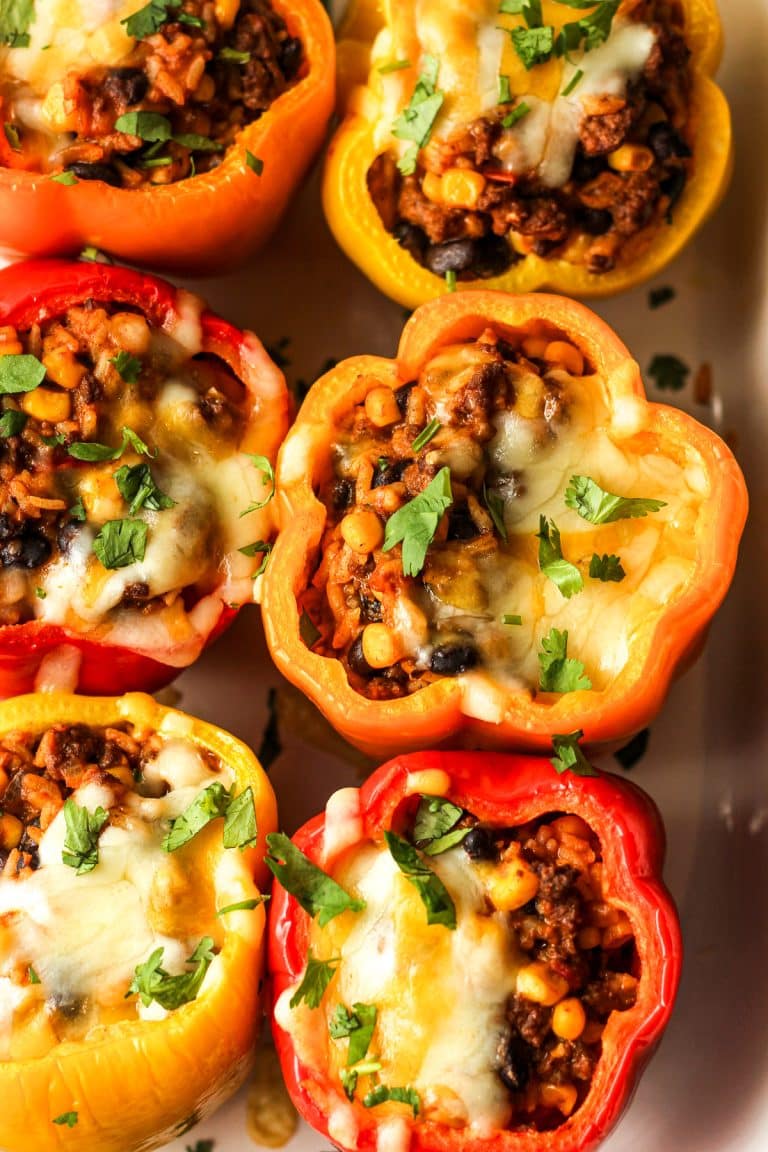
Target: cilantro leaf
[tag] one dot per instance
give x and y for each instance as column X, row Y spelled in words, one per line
column 242, row 905
column 77, row 511
column 121, row 543
column 434, row 828
column 15, row 19
column 558, row 672
column 606, row 568
column 358, row 1025
column 152, row 982
column 316, row 892
column 128, row 367
column 91, row 451
column 67, row 178
column 240, row 821
column 213, row 801
column 317, row 976
column 263, row 465
column 81, row 842
column 564, row 575
column 260, row 547
column 12, row 423
column 570, row 757
column 597, row 506
column 533, row 45
column 669, row 372
column 149, row 126
column 596, row 28
column 426, row 434
column 415, row 122
column 20, row 372
column 382, row 1092
column 149, row 19
column 138, row 488
column 434, row 895
column 495, row 505
column 416, row 522
column 66, row 1118
column 197, row 143
column 255, row 163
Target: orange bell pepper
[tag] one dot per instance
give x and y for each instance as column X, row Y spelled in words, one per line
column 137, row 1083
column 205, row 223
column 662, row 640
column 358, row 228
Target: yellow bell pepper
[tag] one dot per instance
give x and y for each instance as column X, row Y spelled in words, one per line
column 134, row 1084
column 358, row 228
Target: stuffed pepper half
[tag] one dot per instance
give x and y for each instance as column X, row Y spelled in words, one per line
column 136, row 439
column 574, row 146
column 470, row 953
column 131, row 925
column 170, row 133
column 495, row 537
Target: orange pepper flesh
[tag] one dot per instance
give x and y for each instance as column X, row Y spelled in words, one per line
column 206, row 223
column 358, row 228
column 140, row 1083
column 433, row 715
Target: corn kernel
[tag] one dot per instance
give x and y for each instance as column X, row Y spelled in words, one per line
column 511, row 884
column 381, row 407
column 11, row 830
column 381, row 646
column 63, row 369
column 560, row 1096
column 47, row 404
column 59, row 113
column 566, row 356
column 110, row 43
column 362, row 531
column 569, row 1019
column 618, row 934
column 462, row 187
column 589, row 938
column 432, row 187
column 537, row 982
column 571, row 826
column 593, row 1032
column 631, row 158
column 130, row 332
column 535, row 346
column 226, row 12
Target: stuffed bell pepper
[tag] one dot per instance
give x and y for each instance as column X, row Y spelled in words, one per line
column 495, row 537
column 472, row 952
column 530, row 143
column 131, row 924
column 170, row 133
column 137, row 436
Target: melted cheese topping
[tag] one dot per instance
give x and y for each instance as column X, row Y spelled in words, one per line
column 471, row 41
column 440, row 994
column 84, row 935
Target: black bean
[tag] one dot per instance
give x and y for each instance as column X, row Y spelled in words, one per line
column 453, row 256
column 479, row 844
column 493, row 256
column 289, row 57
column 26, row 551
column 358, row 662
column 389, row 474
column 412, row 239
column 593, row 221
column 370, row 609
column 515, row 1069
column 66, row 534
column 126, row 85
column 342, row 493
column 461, row 526
column 101, row 172
column 665, row 142
column 450, row 659
column 7, row 527
column 67, row 1005
column 586, row 168
column 401, row 396
column 673, row 185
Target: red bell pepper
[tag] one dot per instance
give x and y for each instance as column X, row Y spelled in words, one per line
column 37, row 291
column 501, row 791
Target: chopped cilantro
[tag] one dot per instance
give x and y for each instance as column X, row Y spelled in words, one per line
column 597, row 506
column 136, row 485
column 214, row 801
column 81, row 841
column 12, row 422
column 128, row 367
column 66, row 1118
column 255, row 163
column 77, row 510
column 426, row 434
column 66, row 178
column 20, row 372
column 414, row 525
column 16, row 16
column 435, row 828
column 316, row 892
column 260, row 547
column 564, row 575
column 382, row 1093
column 242, row 905
column 415, row 122
column 308, row 630
column 495, row 505
column 558, row 672
column 606, row 568
column 317, row 976
column 570, row 757
column 149, row 19
column 358, row 1025
column 394, row 66
column 263, row 465
column 434, row 895
column 152, row 982
column 149, row 126
column 669, row 372
column 121, row 543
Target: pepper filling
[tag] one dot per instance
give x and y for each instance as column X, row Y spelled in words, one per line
column 121, row 479
column 580, row 153
column 474, row 985
column 491, row 520
column 105, row 913
column 150, row 95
